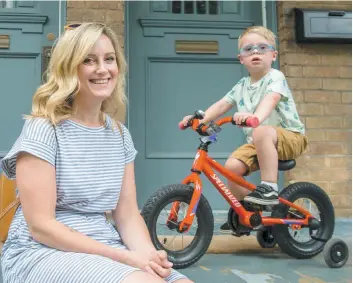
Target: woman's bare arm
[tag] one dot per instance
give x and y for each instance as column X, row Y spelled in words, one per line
column 36, row 182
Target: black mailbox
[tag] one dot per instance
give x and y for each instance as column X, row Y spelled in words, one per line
column 323, row 26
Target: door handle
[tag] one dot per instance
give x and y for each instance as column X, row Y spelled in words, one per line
column 4, row 41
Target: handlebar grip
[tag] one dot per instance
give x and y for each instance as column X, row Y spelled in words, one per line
column 181, row 126
column 252, row 122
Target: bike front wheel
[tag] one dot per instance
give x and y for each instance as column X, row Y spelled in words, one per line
column 183, row 248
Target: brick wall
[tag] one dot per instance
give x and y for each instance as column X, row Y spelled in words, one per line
column 109, row 12
column 320, row 76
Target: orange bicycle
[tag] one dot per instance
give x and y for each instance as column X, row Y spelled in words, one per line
column 183, row 210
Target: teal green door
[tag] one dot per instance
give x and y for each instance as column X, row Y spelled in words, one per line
column 25, row 27
column 182, row 57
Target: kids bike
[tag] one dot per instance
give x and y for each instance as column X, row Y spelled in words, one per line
column 183, row 210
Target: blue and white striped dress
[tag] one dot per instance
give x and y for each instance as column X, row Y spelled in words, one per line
column 89, row 166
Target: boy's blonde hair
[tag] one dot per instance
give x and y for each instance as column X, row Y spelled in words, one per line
column 260, row 30
column 53, row 100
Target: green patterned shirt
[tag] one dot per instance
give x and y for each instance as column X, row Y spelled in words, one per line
column 247, row 97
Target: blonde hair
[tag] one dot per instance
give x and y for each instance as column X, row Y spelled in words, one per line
column 53, row 100
column 259, row 30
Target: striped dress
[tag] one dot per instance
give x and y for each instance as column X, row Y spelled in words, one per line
column 89, row 166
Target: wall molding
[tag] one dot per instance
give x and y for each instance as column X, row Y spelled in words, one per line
column 157, row 27
column 19, row 54
column 28, row 23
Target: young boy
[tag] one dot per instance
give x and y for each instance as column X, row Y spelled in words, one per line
column 265, row 95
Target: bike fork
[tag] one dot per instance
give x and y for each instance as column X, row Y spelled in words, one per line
column 186, row 223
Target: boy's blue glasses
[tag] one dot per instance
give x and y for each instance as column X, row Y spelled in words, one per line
column 261, row 49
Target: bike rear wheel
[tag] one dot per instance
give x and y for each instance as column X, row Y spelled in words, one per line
column 158, row 207
column 287, row 239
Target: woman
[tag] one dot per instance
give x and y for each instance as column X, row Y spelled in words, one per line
column 72, row 162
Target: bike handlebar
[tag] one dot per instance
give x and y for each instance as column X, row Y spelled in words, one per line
column 194, row 122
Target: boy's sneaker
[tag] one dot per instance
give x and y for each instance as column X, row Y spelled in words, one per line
column 264, row 195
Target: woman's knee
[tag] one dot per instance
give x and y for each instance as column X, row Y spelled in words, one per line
column 143, row 277
column 236, row 166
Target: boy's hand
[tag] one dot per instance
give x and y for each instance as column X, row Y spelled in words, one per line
column 240, row 118
column 185, row 120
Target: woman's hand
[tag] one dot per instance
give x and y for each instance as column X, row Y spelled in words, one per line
column 154, row 262
column 160, row 263
column 240, row 118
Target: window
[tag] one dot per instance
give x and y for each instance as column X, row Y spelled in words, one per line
column 195, row 7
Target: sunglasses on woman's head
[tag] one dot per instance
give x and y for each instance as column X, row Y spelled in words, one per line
column 71, row 26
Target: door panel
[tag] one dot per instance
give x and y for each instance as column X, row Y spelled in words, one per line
column 30, row 25
column 167, row 82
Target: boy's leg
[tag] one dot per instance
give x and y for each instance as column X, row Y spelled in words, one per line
column 273, row 144
column 241, row 162
column 238, row 168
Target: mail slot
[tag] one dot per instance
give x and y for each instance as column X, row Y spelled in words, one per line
column 323, row 26
column 192, row 46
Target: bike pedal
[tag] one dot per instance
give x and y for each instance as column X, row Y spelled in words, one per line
column 259, row 228
column 268, row 208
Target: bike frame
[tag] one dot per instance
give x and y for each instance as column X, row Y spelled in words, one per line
column 205, row 164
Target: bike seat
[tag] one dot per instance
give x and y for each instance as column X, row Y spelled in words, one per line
column 285, row 165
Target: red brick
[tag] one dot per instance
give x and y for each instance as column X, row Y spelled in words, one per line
column 75, row 15
column 343, row 212
column 338, row 109
column 341, row 201
column 346, row 72
column 347, row 122
column 323, row 122
column 76, row 4
column 322, row 148
column 114, row 16
column 340, row 162
column 304, row 83
column 328, row 174
column 315, row 135
column 96, row 4
column 345, row 49
column 309, row 161
column 337, row 84
column 340, row 188
column 337, row 60
column 322, row 96
column 339, row 136
column 319, row 49
column 298, row 174
column 347, row 148
column 293, row 71
column 302, row 59
column 289, row 46
column 287, row 34
column 347, row 97
column 310, row 109
column 320, row 72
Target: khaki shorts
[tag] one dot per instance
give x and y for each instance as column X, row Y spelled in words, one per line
column 290, row 145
